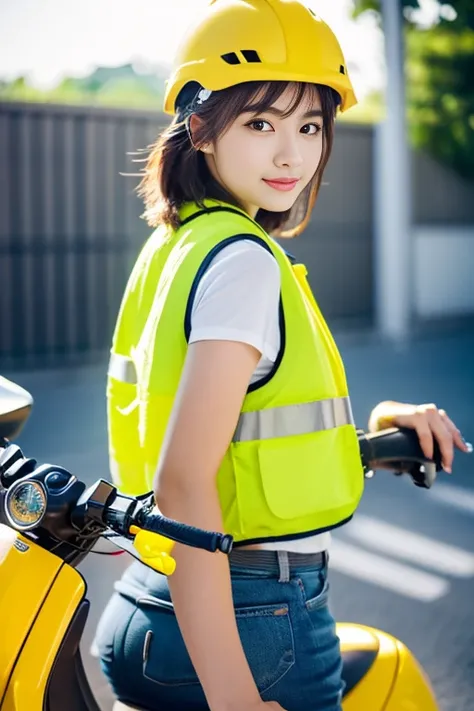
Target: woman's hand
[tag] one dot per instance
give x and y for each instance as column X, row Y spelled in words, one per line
column 428, row 421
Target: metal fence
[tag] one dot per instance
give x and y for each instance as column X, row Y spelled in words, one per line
column 70, row 226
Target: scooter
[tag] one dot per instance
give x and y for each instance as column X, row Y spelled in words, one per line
column 49, row 522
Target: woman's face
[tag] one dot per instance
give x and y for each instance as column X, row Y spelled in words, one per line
column 266, row 160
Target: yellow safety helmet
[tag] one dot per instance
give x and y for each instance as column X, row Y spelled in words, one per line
column 236, row 41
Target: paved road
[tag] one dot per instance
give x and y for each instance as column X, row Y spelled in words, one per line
column 406, row 562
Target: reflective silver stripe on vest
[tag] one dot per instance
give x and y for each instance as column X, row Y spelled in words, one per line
column 122, row 369
column 294, row 420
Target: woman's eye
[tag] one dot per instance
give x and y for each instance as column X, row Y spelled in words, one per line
column 311, row 128
column 260, row 125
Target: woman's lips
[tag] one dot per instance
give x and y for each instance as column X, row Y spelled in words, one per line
column 284, row 184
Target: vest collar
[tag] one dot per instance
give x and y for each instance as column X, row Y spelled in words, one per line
column 188, row 209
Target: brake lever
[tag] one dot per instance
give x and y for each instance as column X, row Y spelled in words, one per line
column 424, row 475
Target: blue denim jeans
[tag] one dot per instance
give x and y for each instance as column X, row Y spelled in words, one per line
column 285, row 626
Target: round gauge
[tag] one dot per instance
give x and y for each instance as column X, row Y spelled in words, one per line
column 25, row 504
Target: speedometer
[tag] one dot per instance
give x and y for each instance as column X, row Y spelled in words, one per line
column 25, row 504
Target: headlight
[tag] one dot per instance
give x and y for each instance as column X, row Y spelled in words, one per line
column 25, row 504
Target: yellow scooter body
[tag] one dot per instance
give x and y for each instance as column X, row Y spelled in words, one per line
column 394, row 680
column 39, row 595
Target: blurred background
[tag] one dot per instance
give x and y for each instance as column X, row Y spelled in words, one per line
column 390, row 252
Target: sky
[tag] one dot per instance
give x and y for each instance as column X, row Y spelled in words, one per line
column 48, row 39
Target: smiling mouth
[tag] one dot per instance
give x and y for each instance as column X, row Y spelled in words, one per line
column 284, row 184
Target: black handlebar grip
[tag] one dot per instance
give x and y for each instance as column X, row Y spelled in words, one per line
column 393, row 446
column 182, row 533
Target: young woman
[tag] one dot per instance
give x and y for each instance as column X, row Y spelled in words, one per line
column 226, row 392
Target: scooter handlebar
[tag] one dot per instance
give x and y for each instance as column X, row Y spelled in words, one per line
column 395, row 446
column 183, row 533
column 123, row 513
column 399, row 450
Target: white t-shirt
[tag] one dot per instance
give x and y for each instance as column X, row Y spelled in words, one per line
column 237, row 299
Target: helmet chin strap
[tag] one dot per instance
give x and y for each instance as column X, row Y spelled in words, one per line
column 188, row 131
column 190, row 136
column 186, row 110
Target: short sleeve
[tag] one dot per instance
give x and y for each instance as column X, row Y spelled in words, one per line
column 238, row 297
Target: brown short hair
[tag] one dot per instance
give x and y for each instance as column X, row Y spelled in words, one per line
column 176, row 172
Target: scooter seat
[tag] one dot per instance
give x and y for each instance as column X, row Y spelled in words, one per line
column 356, row 664
column 359, row 650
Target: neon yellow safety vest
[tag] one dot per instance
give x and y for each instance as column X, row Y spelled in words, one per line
column 293, row 467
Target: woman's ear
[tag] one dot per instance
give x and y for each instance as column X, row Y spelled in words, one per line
column 195, row 123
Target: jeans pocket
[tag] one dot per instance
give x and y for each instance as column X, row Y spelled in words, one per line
column 267, row 638
column 315, row 587
column 265, row 632
column 165, row 658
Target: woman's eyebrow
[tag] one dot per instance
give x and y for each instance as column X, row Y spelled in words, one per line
column 254, row 109
column 314, row 113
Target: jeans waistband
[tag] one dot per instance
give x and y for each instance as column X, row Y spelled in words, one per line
column 282, row 562
column 137, row 582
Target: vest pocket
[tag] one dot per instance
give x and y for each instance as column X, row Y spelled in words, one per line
column 288, row 485
column 316, row 473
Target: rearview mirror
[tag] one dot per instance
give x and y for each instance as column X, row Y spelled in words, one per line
column 15, row 407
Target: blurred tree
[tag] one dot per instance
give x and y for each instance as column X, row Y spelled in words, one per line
column 361, row 6
column 18, row 90
column 371, row 109
column 459, row 14
column 440, row 86
column 110, row 86
column 127, row 91
column 441, row 95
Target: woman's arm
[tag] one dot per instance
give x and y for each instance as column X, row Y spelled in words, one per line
column 207, row 406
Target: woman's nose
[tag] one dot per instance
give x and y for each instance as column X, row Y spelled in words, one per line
column 289, row 155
